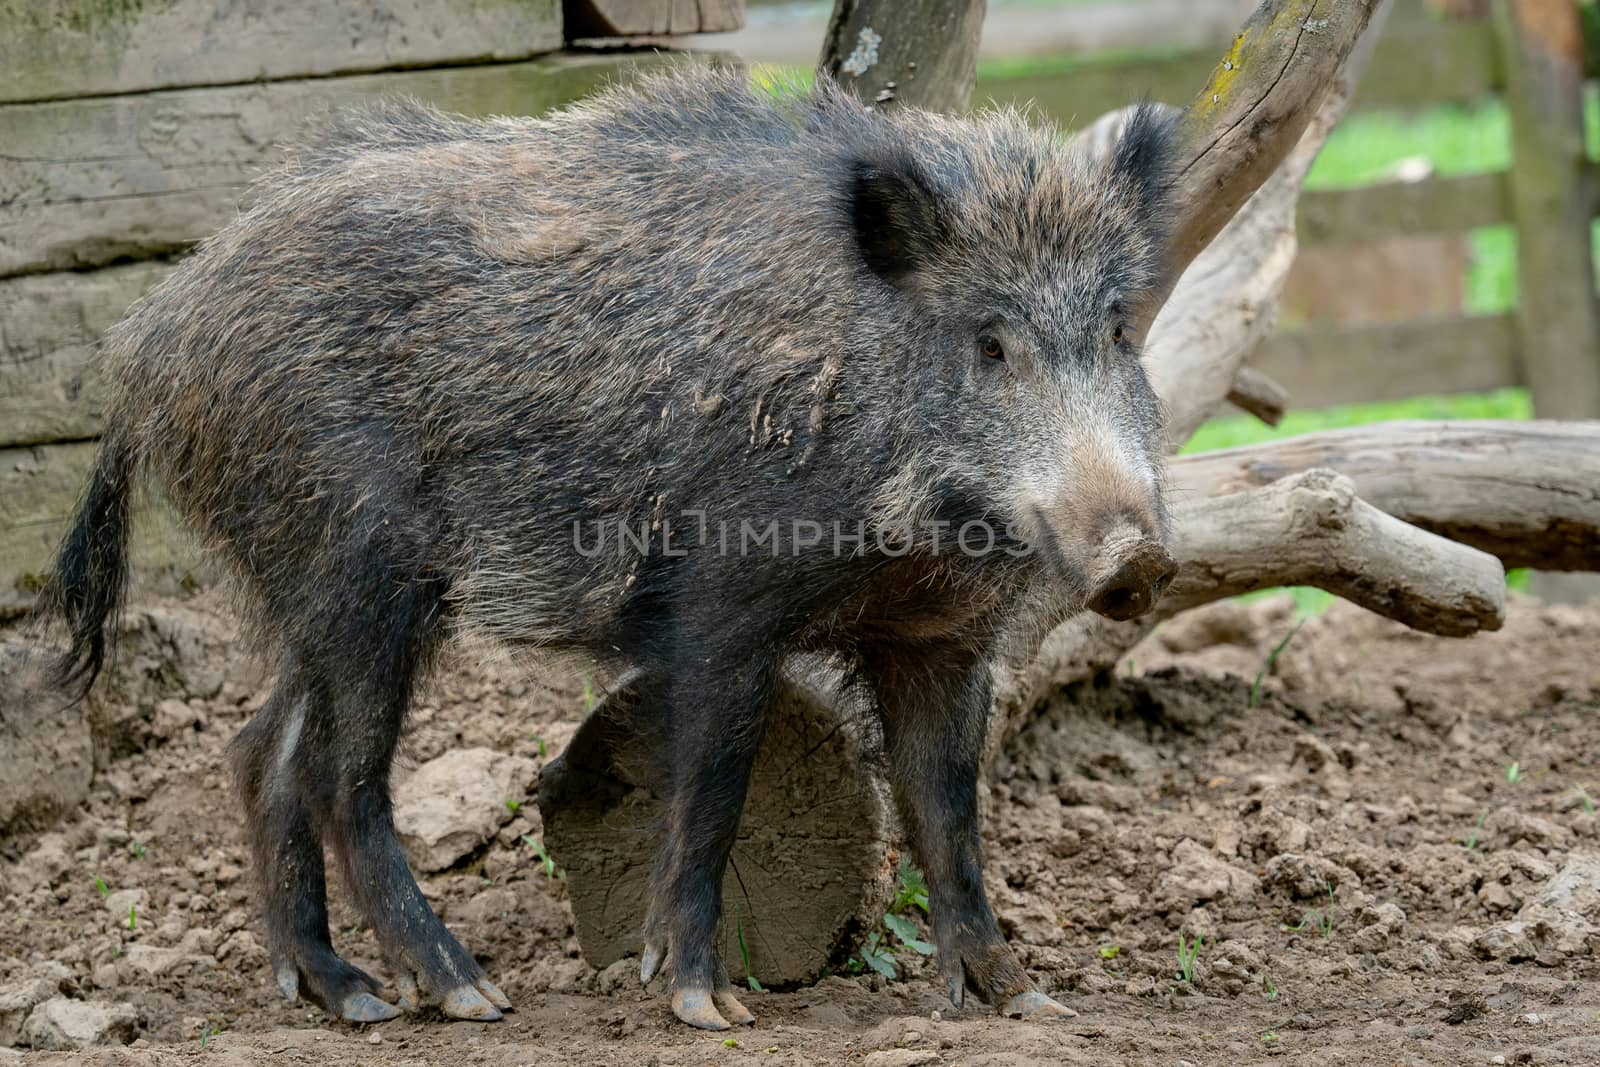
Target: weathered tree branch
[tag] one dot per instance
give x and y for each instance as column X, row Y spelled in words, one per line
column 1259, row 395
column 1225, row 298
column 1527, row 492
column 1255, row 107
column 1312, row 529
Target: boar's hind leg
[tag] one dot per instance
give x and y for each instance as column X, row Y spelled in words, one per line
column 287, row 845
column 935, row 709
column 373, row 644
column 715, row 718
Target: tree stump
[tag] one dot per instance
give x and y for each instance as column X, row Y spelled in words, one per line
column 808, row 873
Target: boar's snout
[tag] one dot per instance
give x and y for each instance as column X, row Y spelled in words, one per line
column 1131, row 571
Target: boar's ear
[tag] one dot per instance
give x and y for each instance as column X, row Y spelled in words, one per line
column 894, row 214
column 1144, row 159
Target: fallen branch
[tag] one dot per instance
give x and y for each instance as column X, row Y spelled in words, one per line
column 1258, row 395
column 1312, row 529
column 1528, row 492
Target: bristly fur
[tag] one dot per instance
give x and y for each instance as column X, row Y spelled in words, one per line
column 434, row 351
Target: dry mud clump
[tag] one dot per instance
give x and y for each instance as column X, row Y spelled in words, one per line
column 1387, row 850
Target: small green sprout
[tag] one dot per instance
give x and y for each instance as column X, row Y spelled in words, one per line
column 1514, row 773
column 513, row 805
column 1188, row 955
column 1272, row 661
column 133, row 916
column 1472, row 842
column 100, row 885
column 138, row 849
column 729, row 1042
column 540, row 742
column 1268, row 990
column 545, row 860
column 1110, row 952
column 1588, row 803
column 744, row 951
column 1270, row 1036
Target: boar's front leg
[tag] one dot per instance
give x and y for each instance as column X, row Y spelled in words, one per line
column 714, row 705
column 935, row 709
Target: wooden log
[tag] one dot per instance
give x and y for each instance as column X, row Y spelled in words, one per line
column 85, row 182
column 1365, row 364
column 54, row 49
column 918, row 52
column 50, row 325
column 807, row 872
column 650, row 18
column 1310, row 528
column 1558, row 320
column 1528, row 492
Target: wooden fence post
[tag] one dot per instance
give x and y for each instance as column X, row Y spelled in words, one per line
column 1558, row 322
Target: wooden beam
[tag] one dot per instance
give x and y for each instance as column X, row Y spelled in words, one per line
column 918, row 52
column 650, row 18
column 49, row 327
column 1362, row 364
column 1558, row 321
column 1379, row 212
column 54, row 49
column 39, row 490
column 86, row 182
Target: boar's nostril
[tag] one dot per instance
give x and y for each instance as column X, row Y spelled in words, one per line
column 1135, row 583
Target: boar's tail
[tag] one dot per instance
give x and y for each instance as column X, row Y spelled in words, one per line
column 91, row 570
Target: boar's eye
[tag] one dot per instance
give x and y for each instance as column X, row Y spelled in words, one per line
column 989, row 347
column 1118, row 334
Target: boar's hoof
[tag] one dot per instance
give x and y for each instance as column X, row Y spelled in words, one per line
column 735, row 1012
column 694, row 1007
column 465, row 1002
column 698, row 1007
column 480, row 1001
column 366, row 1008
column 1035, row 1005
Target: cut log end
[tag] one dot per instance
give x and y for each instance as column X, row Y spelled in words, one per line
column 807, row 874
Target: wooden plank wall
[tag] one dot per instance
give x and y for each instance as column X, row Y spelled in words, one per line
column 130, row 131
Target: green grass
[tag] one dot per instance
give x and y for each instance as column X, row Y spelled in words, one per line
column 1231, row 431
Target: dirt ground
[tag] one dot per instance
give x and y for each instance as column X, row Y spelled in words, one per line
column 1372, row 881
